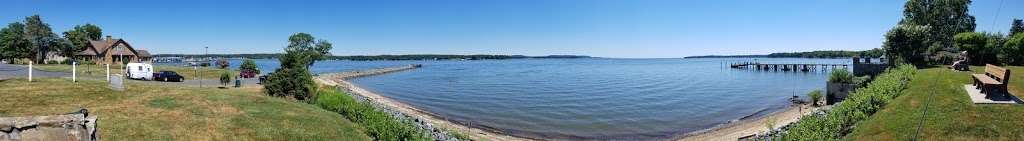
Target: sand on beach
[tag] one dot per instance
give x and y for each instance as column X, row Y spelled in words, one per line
column 733, row 131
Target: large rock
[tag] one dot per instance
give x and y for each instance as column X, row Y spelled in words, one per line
column 77, row 126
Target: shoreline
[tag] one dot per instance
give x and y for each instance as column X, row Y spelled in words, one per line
column 748, row 127
column 433, row 120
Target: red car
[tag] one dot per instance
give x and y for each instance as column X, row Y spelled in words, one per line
column 248, row 74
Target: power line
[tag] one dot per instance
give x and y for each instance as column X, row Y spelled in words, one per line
column 994, row 19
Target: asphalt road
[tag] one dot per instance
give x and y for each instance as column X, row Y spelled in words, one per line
column 8, row 71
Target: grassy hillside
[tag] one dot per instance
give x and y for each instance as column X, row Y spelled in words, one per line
column 153, row 112
column 950, row 113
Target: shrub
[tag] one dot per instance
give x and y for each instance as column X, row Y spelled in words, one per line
column 225, row 78
column 1012, row 50
column 249, row 65
column 379, row 124
column 815, row 97
column 861, row 81
column 295, row 82
column 860, row 104
column 840, row 76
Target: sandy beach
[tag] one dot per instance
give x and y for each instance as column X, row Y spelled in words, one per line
column 735, row 130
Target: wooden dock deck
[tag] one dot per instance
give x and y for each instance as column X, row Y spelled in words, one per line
column 787, row 67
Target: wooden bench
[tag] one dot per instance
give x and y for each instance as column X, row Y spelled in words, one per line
column 995, row 80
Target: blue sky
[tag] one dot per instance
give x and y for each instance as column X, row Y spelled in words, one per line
column 606, row 28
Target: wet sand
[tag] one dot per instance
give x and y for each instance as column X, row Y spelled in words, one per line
column 735, row 130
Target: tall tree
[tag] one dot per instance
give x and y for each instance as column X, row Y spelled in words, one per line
column 982, row 48
column 945, row 17
column 41, row 36
column 905, row 44
column 293, row 78
column 308, row 47
column 1013, row 49
column 79, row 36
column 1016, row 27
column 13, row 43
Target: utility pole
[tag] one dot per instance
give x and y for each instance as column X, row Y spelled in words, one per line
column 206, row 52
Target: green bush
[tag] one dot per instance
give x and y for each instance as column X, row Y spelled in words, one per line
column 225, row 78
column 861, row 81
column 815, row 97
column 295, row 82
column 840, row 76
column 839, row 121
column 379, row 124
column 249, row 65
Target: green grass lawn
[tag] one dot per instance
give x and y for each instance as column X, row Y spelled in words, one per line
column 950, row 113
column 153, row 112
column 99, row 70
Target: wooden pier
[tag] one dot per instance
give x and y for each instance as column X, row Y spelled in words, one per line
column 788, row 67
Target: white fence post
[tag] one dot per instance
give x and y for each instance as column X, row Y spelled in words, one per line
column 29, row 71
column 74, row 71
column 108, row 72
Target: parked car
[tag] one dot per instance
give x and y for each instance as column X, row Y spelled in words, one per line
column 248, row 74
column 263, row 78
column 140, row 71
column 168, row 76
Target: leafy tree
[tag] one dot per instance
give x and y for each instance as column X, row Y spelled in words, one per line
column 295, row 82
column 249, row 65
column 1013, row 49
column 1016, row 27
column 293, row 77
column 906, row 44
column 975, row 43
column 945, row 19
column 225, row 78
column 13, row 43
column 308, row 46
column 79, row 37
column 40, row 35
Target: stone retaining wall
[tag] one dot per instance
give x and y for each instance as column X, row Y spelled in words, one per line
column 77, row 126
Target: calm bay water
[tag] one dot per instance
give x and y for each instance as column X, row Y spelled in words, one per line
column 596, row 98
column 587, row 98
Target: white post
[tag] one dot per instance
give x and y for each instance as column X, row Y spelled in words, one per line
column 29, row 71
column 108, row 72
column 74, row 71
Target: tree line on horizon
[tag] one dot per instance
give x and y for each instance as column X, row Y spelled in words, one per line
column 33, row 39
